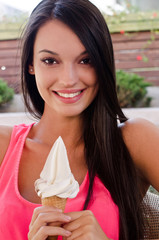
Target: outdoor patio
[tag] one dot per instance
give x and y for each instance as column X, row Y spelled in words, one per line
column 14, row 112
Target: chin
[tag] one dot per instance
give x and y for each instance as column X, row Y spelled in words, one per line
column 71, row 113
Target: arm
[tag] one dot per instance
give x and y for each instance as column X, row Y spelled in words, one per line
column 142, row 140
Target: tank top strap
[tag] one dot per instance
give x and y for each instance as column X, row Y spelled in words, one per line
column 15, row 148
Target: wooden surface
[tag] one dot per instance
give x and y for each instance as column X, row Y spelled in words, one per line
column 127, row 48
column 138, row 53
column 10, row 59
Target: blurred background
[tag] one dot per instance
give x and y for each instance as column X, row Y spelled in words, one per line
column 134, row 27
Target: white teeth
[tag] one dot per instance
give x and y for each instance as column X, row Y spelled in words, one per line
column 67, row 95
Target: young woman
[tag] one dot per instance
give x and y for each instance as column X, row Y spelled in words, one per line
column 68, row 83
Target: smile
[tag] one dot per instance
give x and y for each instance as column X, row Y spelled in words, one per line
column 68, row 95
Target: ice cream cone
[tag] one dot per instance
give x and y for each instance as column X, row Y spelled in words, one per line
column 56, row 202
column 56, row 182
column 52, row 238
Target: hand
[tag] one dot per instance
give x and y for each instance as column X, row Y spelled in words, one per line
column 84, row 226
column 46, row 221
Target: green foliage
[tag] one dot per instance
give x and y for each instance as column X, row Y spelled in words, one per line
column 131, row 90
column 132, row 19
column 6, row 93
column 11, row 27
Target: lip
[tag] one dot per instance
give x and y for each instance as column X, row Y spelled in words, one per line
column 69, row 100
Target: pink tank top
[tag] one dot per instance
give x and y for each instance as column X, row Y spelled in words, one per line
column 16, row 212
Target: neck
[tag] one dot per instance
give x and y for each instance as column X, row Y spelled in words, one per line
column 51, row 126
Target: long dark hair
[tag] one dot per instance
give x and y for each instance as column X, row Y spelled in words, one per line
column 106, row 153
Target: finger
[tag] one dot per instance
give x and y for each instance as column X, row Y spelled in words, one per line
column 77, row 234
column 43, row 219
column 73, row 225
column 83, row 231
column 75, row 215
column 46, row 231
column 79, row 219
column 39, row 210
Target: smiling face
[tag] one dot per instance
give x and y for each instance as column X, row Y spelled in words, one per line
column 65, row 78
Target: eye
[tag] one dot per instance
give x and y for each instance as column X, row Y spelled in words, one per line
column 86, row 61
column 49, row 61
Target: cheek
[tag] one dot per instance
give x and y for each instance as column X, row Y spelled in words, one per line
column 93, row 77
column 43, row 76
column 42, row 86
column 90, row 78
column 94, row 84
column 43, row 80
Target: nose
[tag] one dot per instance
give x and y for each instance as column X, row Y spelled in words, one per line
column 68, row 76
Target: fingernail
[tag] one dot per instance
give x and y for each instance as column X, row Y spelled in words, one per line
column 59, row 210
column 67, row 233
column 67, row 217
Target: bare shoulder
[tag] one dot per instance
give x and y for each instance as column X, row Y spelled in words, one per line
column 5, row 135
column 138, row 127
column 142, row 140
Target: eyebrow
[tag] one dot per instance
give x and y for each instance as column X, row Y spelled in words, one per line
column 48, row 51
column 54, row 53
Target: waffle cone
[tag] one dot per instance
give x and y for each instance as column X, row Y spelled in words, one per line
column 56, row 202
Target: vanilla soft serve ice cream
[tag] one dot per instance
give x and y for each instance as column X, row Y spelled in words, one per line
column 56, row 178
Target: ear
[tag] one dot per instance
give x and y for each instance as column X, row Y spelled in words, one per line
column 31, row 69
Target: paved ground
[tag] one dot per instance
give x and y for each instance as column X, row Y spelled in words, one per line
column 14, row 112
column 16, row 105
column 154, row 93
column 151, row 114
